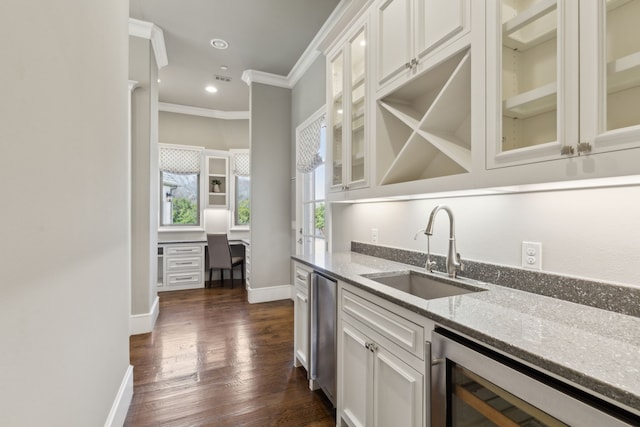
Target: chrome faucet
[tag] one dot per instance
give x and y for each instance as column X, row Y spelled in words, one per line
column 453, row 258
column 428, row 265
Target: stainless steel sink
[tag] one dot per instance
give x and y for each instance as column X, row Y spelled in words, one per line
column 426, row 286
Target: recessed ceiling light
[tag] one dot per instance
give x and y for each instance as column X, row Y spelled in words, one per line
column 224, row 67
column 219, row 43
column 159, row 80
column 211, row 89
column 363, row 42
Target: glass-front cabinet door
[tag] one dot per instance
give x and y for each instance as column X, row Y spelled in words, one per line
column 610, row 74
column 536, row 72
column 337, row 122
column 358, row 107
column 348, row 100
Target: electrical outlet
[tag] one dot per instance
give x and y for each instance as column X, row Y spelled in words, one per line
column 374, row 235
column 532, row 255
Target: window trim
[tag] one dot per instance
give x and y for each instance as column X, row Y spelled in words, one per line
column 299, row 236
column 232, row 193
column 201, row 191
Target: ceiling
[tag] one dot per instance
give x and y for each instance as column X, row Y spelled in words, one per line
column 263, row 35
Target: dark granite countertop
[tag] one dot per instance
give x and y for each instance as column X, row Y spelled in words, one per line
column 595, row 349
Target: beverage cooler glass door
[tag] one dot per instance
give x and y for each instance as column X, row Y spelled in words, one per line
column 478, row 387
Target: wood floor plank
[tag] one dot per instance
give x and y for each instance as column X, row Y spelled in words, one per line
column 215, row 360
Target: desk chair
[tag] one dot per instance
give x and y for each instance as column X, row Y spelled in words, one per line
column 220, row 256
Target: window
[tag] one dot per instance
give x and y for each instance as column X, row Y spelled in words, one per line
column 313, row 207
column 180, row 202
column 241, row 189
column 179, row 186
column 310, row 163
column 242, row 202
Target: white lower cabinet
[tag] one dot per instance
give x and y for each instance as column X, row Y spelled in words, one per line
column 356, row 372
column 183, row 266
column 382, row 376
column 301, row 316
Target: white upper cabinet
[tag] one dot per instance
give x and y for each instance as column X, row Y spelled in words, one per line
column 610, row 74
column 533, row 69
column 567, row 79
column 348, row 121
column 409, row 30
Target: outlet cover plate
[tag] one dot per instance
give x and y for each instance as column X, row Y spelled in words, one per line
column 532, row 255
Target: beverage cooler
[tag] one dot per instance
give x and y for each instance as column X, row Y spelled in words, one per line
column 476, row 386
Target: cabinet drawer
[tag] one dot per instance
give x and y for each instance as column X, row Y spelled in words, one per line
column 183, row 250
column 398, row 330
column 302, row 277
column 186, row 278
column 184, row 263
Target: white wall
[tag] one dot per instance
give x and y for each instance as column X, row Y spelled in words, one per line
column 270, row 185
column 64, row 310
column 145, row 182
column 210, row 133
column 591, row 233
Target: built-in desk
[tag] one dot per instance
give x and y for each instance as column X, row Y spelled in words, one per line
column 184, row 264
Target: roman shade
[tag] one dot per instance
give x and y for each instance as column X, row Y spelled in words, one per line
column 308, row 143
column 180, row 160
column 241, row 164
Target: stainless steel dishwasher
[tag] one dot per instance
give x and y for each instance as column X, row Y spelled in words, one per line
column 323, row 335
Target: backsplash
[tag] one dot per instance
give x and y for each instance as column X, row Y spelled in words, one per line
column 607, row 296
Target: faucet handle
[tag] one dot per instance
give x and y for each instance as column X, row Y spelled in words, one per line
column 430, row 265
column 459, row 262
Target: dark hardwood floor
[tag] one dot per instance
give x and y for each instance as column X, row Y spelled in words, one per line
column 215, row 360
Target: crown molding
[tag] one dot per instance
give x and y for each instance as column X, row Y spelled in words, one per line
column 150, row 31
column 312, row 51
column 203, row 112
column 342, row 15
column 350, row 13
column 255, row 76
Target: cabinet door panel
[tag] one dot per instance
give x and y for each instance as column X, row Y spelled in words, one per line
column 355, row 372
column 532, row 51
column 337, row 119
column 358, row 58
column 398, row 392
column 610, row 75
column 394, row 38
column 436, row 22
column 301, row 326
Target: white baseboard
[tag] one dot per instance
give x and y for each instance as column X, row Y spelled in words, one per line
column 144, row 323
column 121, row 404
column 271, row 293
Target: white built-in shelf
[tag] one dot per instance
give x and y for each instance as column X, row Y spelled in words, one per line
column 358, row 81
column 450, row 146
column 531, row 103
column 419, row 159
column 543, row 12
column 217, row 167
column 623, row 73
column 405, row 113
column 444, row 115
column 435, row 113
